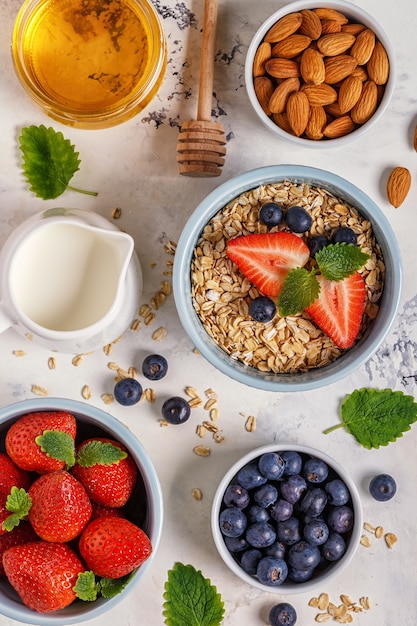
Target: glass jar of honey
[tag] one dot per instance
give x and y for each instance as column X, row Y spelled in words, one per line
column 89, row 63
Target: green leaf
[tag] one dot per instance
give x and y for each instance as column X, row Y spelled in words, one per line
column 191, row 599
column 339, row 260
column 299, row 290
column 18, row 503
column 86, row 588
column 57, row 445
column 99, row 453
column 49, row 161
column 377, row 417
column 111, row 587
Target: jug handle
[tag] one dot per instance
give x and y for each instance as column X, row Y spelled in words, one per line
column 5, row 319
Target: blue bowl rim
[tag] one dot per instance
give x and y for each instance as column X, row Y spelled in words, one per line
column 315, row 378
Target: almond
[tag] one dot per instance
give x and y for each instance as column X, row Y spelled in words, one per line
column 367, row 103
column 264, row 88
column 353, row 29
column 312, row 67
column 338, row 67
column 298, row 110
column 339, row 127
column 363, row 46
column 284, row 27
column 291, row 46
column 319, row 95
column 279, row 98
column 398, row 186
column 330, row 26
column 262, row 55
column 336, row 43
column 333, row 110
column 349, row 93
column 282, row 68
column 281, row 120
column 361, row 73
column 311, row 24
column 326, row 13
column 415, row 139
column 316, row 122
column 378, row 64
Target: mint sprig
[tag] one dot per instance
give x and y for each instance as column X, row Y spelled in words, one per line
column 18, row 504
column 99, row 453
column 299, row 290
column 339, row 260
column 57, row 445
column 89, row 587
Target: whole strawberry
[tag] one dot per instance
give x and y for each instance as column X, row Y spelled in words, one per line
column 43, row 574
column 113, row 547
column 60, row 506
column 10, row 476
column 21, row 534
column 107, row 471
column 42, row 441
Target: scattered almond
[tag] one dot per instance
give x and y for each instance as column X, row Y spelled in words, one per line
column 398, row 186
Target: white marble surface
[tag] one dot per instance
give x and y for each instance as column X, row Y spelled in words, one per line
column 133, row 167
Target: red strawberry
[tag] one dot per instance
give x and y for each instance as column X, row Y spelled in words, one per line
column 108, row 479
column 20, row 534
column 266, row 258
column 339, row 308
column 113, row 547
column 60, row 506
column 10, row 476
column 43, row 574
column 21, row 437
column 99, row 510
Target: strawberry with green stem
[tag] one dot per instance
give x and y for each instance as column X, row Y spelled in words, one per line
column 10, row 476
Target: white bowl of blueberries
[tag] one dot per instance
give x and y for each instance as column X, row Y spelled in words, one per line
column 286, row 518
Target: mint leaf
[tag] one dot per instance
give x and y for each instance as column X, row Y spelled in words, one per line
column 57, row 445
column 339, row 260
column 18, row 503
column 111, row 587
column 86, row 588
column 49, row 161
column 99, row 453
column 377, row 417
column 191, row 599
column 299, row 290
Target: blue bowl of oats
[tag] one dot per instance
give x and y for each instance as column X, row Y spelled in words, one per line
column 289, row 352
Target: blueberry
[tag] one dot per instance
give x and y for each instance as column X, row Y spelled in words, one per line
column 288, row 531
column 334, row 548
column 298, row 220
column 314, row 501
column 282, row 614
column 271, row 465
column 382, row 487
column 262, row 309
column 316, row 532
column 127, row 391
column 232, row 522
column 271, row 214
column 260, row 535
column 176, row 410
column 300, row 575
column 250, row 476
column 272, row 571
column 276, row 549
column 337, row 492
column 340, row 519
column 236, row 544
column 292, row 462
column 317, row 243
column 266, row 495
column 257, row 513
column 250, row 559
column 303, row 555
column 236, row 495
column 293, row 488
column 281, row 510
column 315, row 470
column 154, row 367
column 344, row 234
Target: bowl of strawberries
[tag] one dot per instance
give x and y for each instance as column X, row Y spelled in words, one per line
column 80, row 511
column 287, row 278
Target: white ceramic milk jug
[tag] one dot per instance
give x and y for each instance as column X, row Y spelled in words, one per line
column 70, row 280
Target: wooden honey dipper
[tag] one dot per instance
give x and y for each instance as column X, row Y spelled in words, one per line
column 201, row 142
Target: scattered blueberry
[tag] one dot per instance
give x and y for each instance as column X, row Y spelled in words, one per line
column 382, row 487
column 233, row 522
column 282, row 614
column 154, row 367
column 236, row 495
column 271, row 214
column 272, row 571
column 176, row 410
column 262, row 309
column 298, row 219
column 317, row 243
column 344, row 234
column 127, row 391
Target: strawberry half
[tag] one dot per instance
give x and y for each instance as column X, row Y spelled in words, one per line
column 266, row 258
column 339, row 308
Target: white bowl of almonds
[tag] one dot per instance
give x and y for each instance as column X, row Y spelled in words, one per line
column 287, row 278
column 320, row 73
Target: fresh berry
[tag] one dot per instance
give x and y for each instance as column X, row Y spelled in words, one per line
column 258, row 513
column 298, row 219
column 250, row 560
column 339, row 308
column 334, row 547
column 277, row 549
column 262, row 309
column 10, row 476
column 272, row 571
column 236, row 544
column 19, row 535
column 106, row 470
column 43, row 574
column 267, row 258
column 250, row 476
column 271, row 214
column 260, row 535
column 293, row 462
column 28, row 438
column 154, row 367
column 99, row 510
column 266, row 495
column 232, row 522
column 236, row 495
column 382, row 487
column 60, row 506
column 314, row 501
column 127, row 391
column 282, row 510
column 315, row 470
column 288, row 531
column 340, row 519
column 282, row 614
column 176, row 410
column 344, row 234
column 271, row 465
column 316, row 532
column 293, row 488
column 317, row 243
column 337, row 492
column 303, row 555
column 113, row 547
